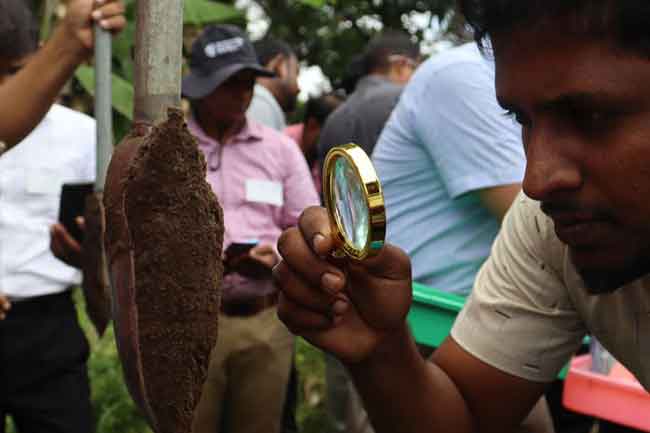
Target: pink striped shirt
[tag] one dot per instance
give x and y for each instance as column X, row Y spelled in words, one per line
column 261, row 179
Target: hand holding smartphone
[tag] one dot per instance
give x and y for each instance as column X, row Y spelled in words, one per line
column 238, row 259
column 72, row 206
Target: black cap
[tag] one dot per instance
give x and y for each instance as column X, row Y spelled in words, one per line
column 217, row 54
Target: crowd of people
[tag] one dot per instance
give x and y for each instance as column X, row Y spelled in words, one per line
column 515, row 173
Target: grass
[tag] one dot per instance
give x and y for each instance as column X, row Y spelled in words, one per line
column 115, row 412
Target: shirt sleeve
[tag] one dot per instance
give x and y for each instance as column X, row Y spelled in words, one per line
column 472, row 142
column 89, row 164
column 298, row 186
column 519, row 317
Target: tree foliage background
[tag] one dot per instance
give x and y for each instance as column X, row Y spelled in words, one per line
column 329, row 33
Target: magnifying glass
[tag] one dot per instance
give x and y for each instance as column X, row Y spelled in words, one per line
column 354, row 201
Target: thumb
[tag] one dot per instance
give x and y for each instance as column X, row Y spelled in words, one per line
column 390, row 263
column 382, row 287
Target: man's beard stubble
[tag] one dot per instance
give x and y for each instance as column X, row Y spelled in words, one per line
column 603, row 282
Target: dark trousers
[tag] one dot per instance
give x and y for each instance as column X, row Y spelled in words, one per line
column 43, row 377
column 289, row 424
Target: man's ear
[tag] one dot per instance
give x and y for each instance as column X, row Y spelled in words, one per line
column 278, row 65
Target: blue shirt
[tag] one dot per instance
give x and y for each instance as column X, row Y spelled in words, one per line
column 446, row 139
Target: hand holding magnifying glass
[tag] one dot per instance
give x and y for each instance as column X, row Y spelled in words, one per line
column 354, row 201
column 341, row 288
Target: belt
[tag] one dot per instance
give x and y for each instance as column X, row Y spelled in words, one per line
column 248, row 307
column 44, row 304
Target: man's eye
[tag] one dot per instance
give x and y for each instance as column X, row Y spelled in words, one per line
column 517, row 117
column 591, row 120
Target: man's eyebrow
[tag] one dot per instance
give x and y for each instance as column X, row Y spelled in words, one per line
column 582, row 99
column 574, row 100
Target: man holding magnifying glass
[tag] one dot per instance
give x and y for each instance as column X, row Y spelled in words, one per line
column 572, row 256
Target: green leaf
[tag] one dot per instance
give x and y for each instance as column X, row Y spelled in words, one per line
column 122, row 100
column 201, row 12
column 124, row 42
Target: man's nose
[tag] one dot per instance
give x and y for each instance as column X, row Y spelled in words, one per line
column 550, row 167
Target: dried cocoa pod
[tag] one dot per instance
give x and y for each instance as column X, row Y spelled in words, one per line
column 163, row 240
column 95, row 285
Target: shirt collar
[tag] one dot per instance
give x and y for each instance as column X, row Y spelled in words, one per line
column 370, row 81
column 251, row 132
column 264, row 93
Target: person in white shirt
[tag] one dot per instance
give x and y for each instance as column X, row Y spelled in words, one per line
column 43, row 351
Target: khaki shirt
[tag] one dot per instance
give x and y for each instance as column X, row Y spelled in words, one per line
column 529, row 309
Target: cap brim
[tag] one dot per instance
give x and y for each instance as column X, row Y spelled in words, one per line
column 197, row 86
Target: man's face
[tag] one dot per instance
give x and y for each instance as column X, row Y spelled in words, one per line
column 288, row 76
column 585, row 109
column 228, row 103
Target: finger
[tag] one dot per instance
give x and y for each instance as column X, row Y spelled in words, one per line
column 302, row 260
column 68, row 243
column 5, row 305
column 114, row 24
column 299, row 292
column 81, row 222
column 260, row 253
column 264, row 248
column 315, row 227
column 300, row 320
column 55, row 241
column 382, row 291
column 391, row 263
column 108, row 9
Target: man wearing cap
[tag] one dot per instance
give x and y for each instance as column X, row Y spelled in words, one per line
column 263, row 184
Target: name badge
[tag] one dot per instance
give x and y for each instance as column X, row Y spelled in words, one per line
column 264, row 191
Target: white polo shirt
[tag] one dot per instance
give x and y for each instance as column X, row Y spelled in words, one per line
column 529, row 308
column 60, row 150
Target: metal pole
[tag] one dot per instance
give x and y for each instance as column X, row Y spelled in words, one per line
column 103, row 111
column 158, row 56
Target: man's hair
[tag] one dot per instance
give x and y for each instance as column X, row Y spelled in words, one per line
column 376, row 56
column 321, row 107
column 626, row 22
column 18, row 29
column 268, row 48
column 354, row 71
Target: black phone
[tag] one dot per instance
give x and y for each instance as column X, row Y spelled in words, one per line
column 236, row 249
column 73, row 205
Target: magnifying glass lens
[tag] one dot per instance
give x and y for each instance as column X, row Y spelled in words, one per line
column 350, row 203
column 354, row 201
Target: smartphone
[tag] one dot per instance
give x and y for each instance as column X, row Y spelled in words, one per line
column 236, row 249
column 73, row 205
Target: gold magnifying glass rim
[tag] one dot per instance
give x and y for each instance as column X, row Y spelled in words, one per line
column 373, row 195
